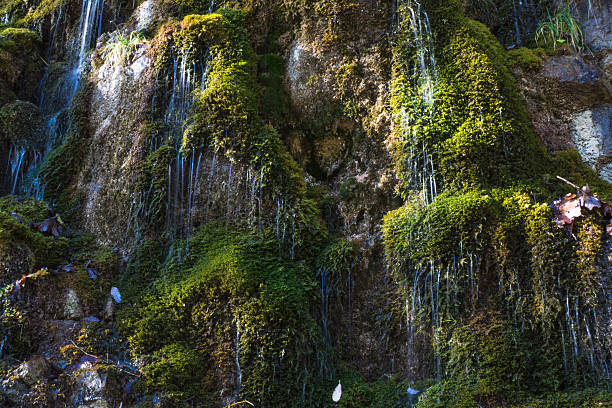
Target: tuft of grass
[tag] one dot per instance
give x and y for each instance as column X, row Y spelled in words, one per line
column 123, row 47
column 561, row 28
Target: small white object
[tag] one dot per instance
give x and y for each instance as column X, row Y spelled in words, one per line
column 115, row 294
column 412, row 391
column 337, row 393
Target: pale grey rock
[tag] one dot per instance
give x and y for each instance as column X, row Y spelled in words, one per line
column 592, row 136
column 146, row 14
column 72, row 305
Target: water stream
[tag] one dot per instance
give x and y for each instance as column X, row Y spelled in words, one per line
column 55, row 104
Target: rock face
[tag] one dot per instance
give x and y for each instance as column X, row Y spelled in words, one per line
column 258, row 192
column 570, row 104
column 592, row 135
column 32, row 371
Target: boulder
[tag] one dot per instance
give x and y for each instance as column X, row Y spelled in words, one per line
column 33, row 370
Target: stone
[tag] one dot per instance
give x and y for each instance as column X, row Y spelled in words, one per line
column 95, row 404
column 33, row 370
column 592, row 136
column 72, row 306
column 109, row 309
column 90, row 387
column 145, row 15
column 570, row 68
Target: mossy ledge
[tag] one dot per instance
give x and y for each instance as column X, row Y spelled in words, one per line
column 491, row 284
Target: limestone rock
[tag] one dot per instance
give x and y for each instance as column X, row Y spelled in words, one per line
column 33, row 370
column 591, row 133
column 145, row 15
column 72, row 306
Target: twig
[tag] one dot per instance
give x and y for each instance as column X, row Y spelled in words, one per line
column 240, row 402
column 569, row 182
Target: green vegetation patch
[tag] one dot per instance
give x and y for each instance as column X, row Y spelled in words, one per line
column 229, row 304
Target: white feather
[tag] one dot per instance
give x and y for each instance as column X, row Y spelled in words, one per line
column 337, row 393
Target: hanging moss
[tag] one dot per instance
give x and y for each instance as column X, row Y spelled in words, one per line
column 231, row 286
column 43, row 10
column 63, row 164
column 226, row 109
column 480, row 250
column 274, row 99
column 21, row 125
column 153, row 184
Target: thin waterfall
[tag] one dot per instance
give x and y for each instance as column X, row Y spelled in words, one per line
column 55, row 106
column 237, row 359
column 414, row 20
column 185, row 76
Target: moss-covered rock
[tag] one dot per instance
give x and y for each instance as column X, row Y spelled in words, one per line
column 232, row 304
column 485, row 250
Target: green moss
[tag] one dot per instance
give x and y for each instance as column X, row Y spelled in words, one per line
column 229, row 281
column 24, row 41
column 175, row 369
column 17, row 239
column 153, row 184
column 44, row 10
column 382, row 393
column 226, row 110
column 62, row 165
column 273, row 99
column 486, row 244
column 29, row 209
column 21, row 125
column 525, row 58
column 142, row 269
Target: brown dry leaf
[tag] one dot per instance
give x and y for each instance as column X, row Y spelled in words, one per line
column 568, row 208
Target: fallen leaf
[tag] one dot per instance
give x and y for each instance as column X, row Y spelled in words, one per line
column 590, row 202
column 20, row 283
column 569, row 208
column 337, row 393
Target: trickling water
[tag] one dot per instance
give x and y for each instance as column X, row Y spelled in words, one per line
column 16, row 156
column 413, row 19
column 237, row 358
column 55, row 105
column 90, row 25
column 179, row 84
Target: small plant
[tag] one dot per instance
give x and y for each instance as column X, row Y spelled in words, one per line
column 122, row 48
column 560, row 28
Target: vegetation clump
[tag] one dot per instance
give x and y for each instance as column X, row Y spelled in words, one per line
column 232, row 305
column 488, row 290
